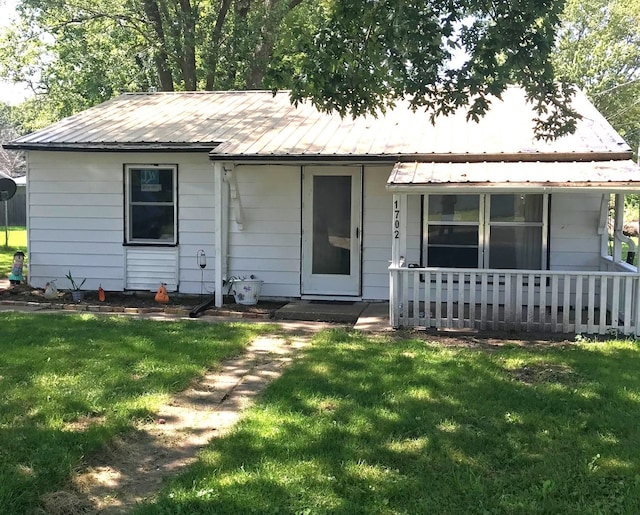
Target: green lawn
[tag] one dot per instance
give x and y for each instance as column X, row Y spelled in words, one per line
column 358, row 424
column 17, row 241
column 57, row 369
column 364, row 425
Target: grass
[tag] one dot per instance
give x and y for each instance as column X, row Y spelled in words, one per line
column 362, row 425
column 107, row 372
column 17, row 241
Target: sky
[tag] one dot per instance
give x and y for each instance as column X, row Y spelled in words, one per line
column 9, row 92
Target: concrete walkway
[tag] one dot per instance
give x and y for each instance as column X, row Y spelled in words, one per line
column 134, row 468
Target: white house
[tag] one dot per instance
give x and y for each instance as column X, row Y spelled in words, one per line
column 457, row 224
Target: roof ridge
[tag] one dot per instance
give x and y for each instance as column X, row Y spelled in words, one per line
column 205, row 92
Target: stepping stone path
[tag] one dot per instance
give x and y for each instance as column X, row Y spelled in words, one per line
column 134, row 466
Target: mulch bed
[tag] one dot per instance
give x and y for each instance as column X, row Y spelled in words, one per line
column 136, row 302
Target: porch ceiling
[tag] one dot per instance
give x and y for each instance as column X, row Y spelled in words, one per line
column 623, row 176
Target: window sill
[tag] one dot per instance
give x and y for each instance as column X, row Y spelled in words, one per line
column 150, row 244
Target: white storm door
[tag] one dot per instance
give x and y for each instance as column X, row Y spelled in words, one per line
column 331, row 216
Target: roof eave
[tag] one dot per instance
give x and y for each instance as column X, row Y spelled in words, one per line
column 429, row 158
column 114, row 147
column 533, row 187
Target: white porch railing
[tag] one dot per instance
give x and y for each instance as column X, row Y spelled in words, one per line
column 597, row 302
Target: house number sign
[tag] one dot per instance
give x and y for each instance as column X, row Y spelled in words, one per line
column 396, row 220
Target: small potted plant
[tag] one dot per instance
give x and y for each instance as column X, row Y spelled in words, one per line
column 76, row 293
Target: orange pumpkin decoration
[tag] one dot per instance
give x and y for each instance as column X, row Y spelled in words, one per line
column 161, row 295
column 101, row 295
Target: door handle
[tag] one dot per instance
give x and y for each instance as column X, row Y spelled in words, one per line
column 357, row 233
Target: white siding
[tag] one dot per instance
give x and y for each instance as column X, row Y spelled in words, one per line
column 574, row 241
column 77, row 206
column 76, row 217
column 376, row 233
column 196, row 226
column 84, row 232
column 268, row 245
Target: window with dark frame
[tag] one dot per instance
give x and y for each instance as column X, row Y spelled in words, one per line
column 151, row 195
column 499, row 231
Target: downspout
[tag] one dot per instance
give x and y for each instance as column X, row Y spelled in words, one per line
column 218, row 172
column 226, row 224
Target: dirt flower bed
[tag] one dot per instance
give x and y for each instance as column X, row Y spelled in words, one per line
column 136, row 302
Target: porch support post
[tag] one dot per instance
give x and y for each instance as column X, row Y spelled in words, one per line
column 398, row 253
column 218, row 181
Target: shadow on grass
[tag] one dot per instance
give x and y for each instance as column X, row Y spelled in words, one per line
column 71, row 383
column 364, row 426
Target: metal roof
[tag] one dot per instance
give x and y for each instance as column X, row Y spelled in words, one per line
column 589, row 174
column 258, row 125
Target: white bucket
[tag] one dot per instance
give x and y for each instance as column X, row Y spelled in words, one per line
column 246, row 291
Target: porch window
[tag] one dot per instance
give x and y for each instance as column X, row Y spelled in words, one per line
column 453, row 230
column 503, row 231
column 151, row 204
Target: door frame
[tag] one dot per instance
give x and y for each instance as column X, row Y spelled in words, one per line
column 325, row 286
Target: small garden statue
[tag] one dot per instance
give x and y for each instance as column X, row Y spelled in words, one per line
column 16, row 277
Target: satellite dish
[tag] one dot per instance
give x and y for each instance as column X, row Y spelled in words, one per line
column 7, row 188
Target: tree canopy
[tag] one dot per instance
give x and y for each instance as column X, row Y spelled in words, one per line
column 349, row 56
column 599, row 50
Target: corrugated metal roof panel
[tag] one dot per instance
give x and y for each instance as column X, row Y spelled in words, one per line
column 255, row 124
column 525, row 173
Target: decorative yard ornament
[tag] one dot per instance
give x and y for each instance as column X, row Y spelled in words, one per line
column 50, row 290
column 161, row 295
column 16, row 277
column 101, row 295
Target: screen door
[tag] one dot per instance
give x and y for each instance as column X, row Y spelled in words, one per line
column 331, row 230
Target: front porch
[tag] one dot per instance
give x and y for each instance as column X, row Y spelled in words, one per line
column 481, row 246
column 515, row 300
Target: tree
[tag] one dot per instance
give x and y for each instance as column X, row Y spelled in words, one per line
column 12, row 162
column 77, row 53
column 599, row 50
column 370, row 53
column 351, row 56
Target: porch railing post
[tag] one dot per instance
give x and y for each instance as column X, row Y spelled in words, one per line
column 548, row 301
column 398, row 252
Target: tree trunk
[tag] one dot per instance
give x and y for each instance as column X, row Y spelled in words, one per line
column 264, row 48
column 212, row 59
column 240, row 13
column 161, row 58
column 188, row 45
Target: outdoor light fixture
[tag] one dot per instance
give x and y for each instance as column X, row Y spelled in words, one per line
column 202, row 258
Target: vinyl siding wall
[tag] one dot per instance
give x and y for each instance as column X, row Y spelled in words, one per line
column 268, row 246
column 76, row 210
column 269, row 243
column 573, row 235
column 377, row 232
